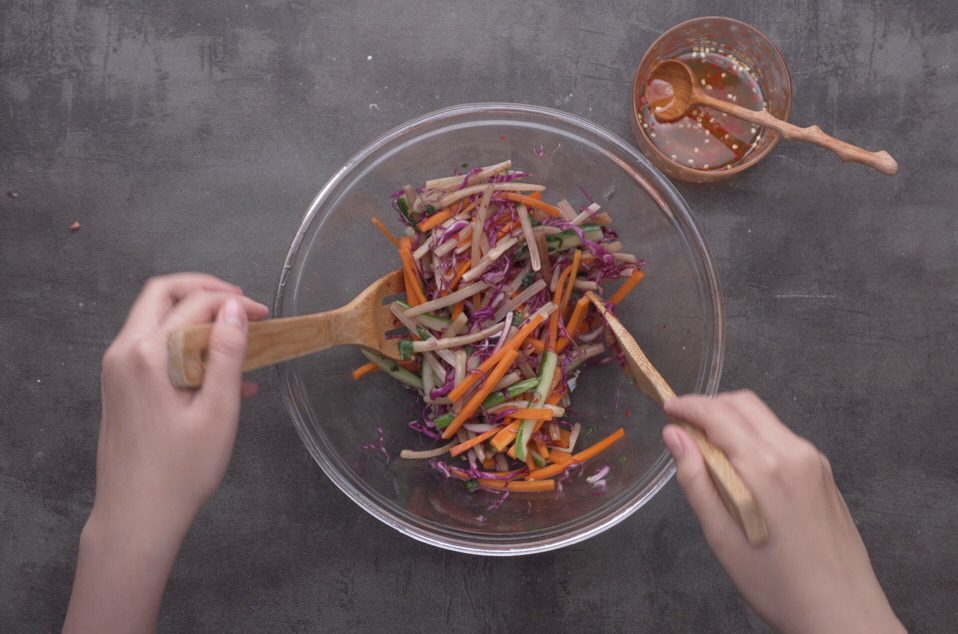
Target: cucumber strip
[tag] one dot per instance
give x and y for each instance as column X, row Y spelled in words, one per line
column 546, row 374
column 397, row 372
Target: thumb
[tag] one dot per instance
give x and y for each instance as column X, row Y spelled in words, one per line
column 693, row 476
column 227, row 351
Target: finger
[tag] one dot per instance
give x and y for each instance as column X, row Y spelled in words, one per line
column 723, row 425
column 760, row 418
column 202, row 307
column 249, row 390
column 224, row 366
column 693, row 476
column 160, row 294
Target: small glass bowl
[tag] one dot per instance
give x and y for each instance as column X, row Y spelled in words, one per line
column 676, row 313
column 748, row 45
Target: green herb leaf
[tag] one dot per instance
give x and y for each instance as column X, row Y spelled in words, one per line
column 405, row 348
column 472, row 485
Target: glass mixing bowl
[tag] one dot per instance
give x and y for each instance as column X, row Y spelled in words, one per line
column 675, row 313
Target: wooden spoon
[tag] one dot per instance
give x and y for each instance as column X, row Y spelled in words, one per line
column 363, row 322
column 685, row 92
column 739, row 500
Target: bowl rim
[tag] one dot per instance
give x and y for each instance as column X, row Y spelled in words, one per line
column 709, row 288
column 697, row 175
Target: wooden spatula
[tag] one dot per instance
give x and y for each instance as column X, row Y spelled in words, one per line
column 733, row 490
column 362, row 322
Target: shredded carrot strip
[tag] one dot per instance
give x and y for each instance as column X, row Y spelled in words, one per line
column 627, row 287
column 529, row 201
column 519, row 486
column 578, row 314
column 472, row 442
column 488, row 464
column 533, row 413
column 471, row 407
column 457, row 309
column 435, row 220
column 459, row 273
column 530, row 462
column 582, row 456
column 363, row 370
column 460, row 390
column 505, row 436
column 506, row 230
column 386, row 232
column 537, row 344
column 557, row 300
column 412, row 272
column 542, row 449
column 536, row 195
column 576, row 260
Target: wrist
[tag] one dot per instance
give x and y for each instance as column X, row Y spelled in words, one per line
column 136, row 534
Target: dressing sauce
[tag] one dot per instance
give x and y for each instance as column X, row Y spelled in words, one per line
column 707, row 139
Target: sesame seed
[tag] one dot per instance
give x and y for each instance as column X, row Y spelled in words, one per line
column 706, row 166
column 728, row 95
column 691, row 162
column 652, row 134
column 674, row 157
column 696, row 150
column 708, row 87
column 735, row 146
column 724, row 75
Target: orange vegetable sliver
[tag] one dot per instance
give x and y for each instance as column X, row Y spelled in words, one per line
column 472, row 442
column 582, row 456
column 460, row 390
column 533, row 413
column 519, row 486
column 435, row 220
column 471, row 407
column 537, row 344
column 457, row 309
column 535, row 203
column 627, row 287
column 386, row 232
column 463, row 267
column 363, row 370
column 557, row 300
column 576, row 260
column 505, row 436
column 578, row 315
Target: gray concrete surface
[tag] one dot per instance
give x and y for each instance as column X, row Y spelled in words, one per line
column 192, row 135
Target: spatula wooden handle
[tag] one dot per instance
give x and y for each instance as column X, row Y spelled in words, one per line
column 881, row 160
column 269, row 343
column 738, row 498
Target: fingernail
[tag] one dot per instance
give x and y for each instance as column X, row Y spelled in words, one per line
column 671, row 437
column 233, row 313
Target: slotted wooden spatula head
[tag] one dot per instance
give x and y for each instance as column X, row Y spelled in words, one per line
column 738, row 498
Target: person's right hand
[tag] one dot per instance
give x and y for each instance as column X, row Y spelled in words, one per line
column 813, row 574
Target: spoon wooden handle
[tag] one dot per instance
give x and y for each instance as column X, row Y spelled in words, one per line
column 738, row 498
column 269, row 342
column 881, row 160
